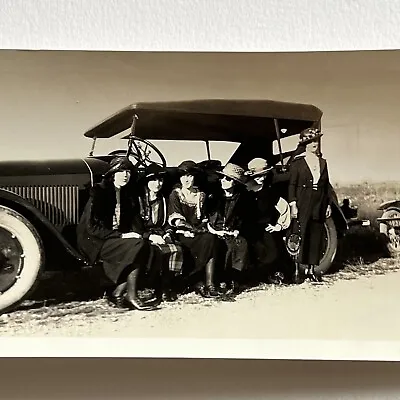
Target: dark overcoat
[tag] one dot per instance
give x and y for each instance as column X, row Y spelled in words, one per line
column 96, row 223
column 301, row 190
column 312, row 204
column 264, row 246
column 231, row 215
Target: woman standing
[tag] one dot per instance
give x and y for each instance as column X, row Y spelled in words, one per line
column 269, row 216
column 154, row 212
column 226, row 222
column 188, row 217
column 309, row 200
column 110, row 231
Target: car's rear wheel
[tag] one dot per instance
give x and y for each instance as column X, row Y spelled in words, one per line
column 21, row 258
column 329, row 247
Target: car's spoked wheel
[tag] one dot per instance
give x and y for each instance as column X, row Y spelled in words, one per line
column 21, row 258
column 391, row 230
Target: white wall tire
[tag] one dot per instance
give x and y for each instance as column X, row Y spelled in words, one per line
column 21, row 258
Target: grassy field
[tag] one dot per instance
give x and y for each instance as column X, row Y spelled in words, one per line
column 368, row 196
column 364, row 245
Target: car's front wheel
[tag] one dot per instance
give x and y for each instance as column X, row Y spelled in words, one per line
column 21, row 258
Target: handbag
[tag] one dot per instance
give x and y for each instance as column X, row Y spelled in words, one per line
column 293, row 238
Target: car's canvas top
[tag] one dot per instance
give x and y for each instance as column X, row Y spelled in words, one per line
column 226, row 120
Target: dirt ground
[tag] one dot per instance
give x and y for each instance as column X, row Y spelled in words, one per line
column 359, row 302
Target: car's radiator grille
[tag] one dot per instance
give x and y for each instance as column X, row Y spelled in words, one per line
column 58, row 203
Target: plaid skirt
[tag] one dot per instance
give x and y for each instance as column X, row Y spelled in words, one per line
column 171, row 255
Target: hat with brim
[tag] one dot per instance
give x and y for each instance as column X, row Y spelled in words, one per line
column 258, row 167
column 234, row 172
column 188, row 168
column 310, row 135
column 154, row 171
column 119, row 164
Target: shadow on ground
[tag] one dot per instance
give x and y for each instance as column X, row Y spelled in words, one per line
column 356, row 255
column 60, row 287
column 361, row 245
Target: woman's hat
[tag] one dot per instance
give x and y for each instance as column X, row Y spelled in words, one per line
column 309, row 135
column 257, row 167
column 154, row 170
column 119, row 164
column 188, row 167
column 234, row 172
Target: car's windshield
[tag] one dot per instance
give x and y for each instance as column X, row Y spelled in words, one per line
column 174, row 151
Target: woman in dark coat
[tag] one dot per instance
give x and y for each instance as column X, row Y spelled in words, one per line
column 188, row 218
column 167, row 254
column 269, row 215
column 226, row 222
column 309, row 200
column 110, row 231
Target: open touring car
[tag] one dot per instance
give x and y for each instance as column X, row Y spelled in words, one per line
column 41, row 202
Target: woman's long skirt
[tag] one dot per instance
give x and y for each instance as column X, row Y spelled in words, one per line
column 198, row 251
column 121, row 256
column 233, row 252
column 311, row 243
column 263, row 249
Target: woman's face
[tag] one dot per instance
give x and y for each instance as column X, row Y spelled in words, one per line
column 227, row 183
column 121, row 178
column 312, row 146
column 155, row 184
column 187, row 181
column 260, row 179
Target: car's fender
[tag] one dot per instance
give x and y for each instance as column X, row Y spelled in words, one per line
column 45, row 228
column 389, row 204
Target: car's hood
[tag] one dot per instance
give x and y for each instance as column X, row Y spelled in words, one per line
column 51, row 172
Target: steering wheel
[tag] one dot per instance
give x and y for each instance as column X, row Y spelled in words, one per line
column 142, row 154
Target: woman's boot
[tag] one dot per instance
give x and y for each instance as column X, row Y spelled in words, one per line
column 314, row 277
column 233, row 281
column 210, row 285
column 297, row 276
column 168, row 291
column 131, row 298
column 118, row 295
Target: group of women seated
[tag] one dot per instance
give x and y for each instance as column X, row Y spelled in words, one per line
column 189, row 238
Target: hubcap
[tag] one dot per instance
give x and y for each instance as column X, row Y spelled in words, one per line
column 11, row 259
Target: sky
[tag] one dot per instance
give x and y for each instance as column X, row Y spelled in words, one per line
column 48, row 99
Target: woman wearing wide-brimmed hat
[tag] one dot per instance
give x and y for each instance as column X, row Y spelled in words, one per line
column 188, row 218
column 154, row 212
column 309, row 199
column 110, row 231
column 269, row 216
column 226, row 223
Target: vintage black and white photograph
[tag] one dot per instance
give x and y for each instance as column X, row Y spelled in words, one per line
column 200, row 196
